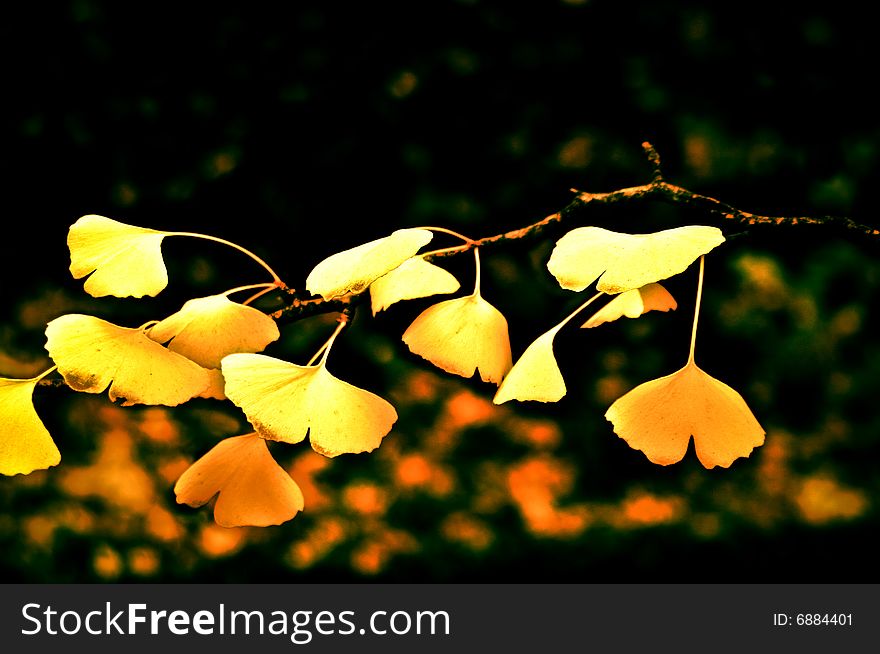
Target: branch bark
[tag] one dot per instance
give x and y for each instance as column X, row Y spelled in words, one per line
column 658, row 189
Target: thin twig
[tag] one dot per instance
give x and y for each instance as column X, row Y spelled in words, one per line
column 657, row 189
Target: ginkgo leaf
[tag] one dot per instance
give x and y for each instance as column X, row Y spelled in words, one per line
column 216, row 385
column 461, row 336
column 535, row 375
column 92, row 354
column 284, row 402
column 634, row 303
column 254, row 490
column 660, row 416
column 208, row 328
column 352, row 271
column 25, row 444
column 123, row 260
column 412, row 279
column 627, row 261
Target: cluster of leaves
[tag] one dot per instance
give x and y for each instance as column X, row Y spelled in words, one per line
column 210, row 348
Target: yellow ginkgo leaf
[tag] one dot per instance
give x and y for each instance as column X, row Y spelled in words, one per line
column 535, row 376
column 634, row 303
column 208, row 328
column 25, row 444
column 660, row 416
column 284, row 401
column 123, row 260
column 216, row 385
column 414, row 278
column 352, row 271
column 92, row 354
column 254, row 490
column 627, row 261
column 461, row 336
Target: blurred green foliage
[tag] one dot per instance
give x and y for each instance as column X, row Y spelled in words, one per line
column 301, row 134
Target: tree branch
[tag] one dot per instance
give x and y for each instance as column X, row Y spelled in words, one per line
column 658, row 189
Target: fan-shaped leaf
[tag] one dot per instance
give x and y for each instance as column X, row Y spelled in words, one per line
column 627, row 261
column 461, row 336
column 216, row 385
column 25, row 444
column 414, row 278
column 207, row 329
column 634, row 303
column 284, row 401
column 92, row 354
column 123, row 260
column 254, row 490
column 660, row 416
column 352, row 271
column 535, row 375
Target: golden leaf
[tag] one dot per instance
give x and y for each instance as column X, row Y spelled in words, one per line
column 25, row 444
column 461, row 336
column 660, row 416
column 92, row 354
column 634, row 303
column 535, row 376
column 216, row 385
column 208, row 328
column 284, row 401
column 627, row 261
column 253, row 489
column 352, row 271
column 123, row 260
column 412, row 279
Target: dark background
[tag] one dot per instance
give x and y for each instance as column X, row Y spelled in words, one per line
column 302, row 132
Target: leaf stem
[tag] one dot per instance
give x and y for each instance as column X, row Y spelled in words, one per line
column 477, row 274
column 578, row 310
column 325, row 348
column 223, row 241
column 43, row 374
column 259, row 294
column 267, row 286
column 444, row 230
column 697, row 311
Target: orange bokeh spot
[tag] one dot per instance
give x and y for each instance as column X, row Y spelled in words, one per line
column 107, row 563
column 466, row 409
column 304, row 470
column 158, row 426
column 216, row 541
column 162, row 525
column 647, row 509
column 422, row 387
column 40, row 530
column 609, row 388
column 822, row 499
column 773, row 473
column 366, row 499
column 467, row 530
column 143, row 561
column 170, row 469
column 536, row 486
column 370, row 558
column 413, row 470
column 319, row 542
column 373, row 555
column 537, row 433
column 114, row 476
